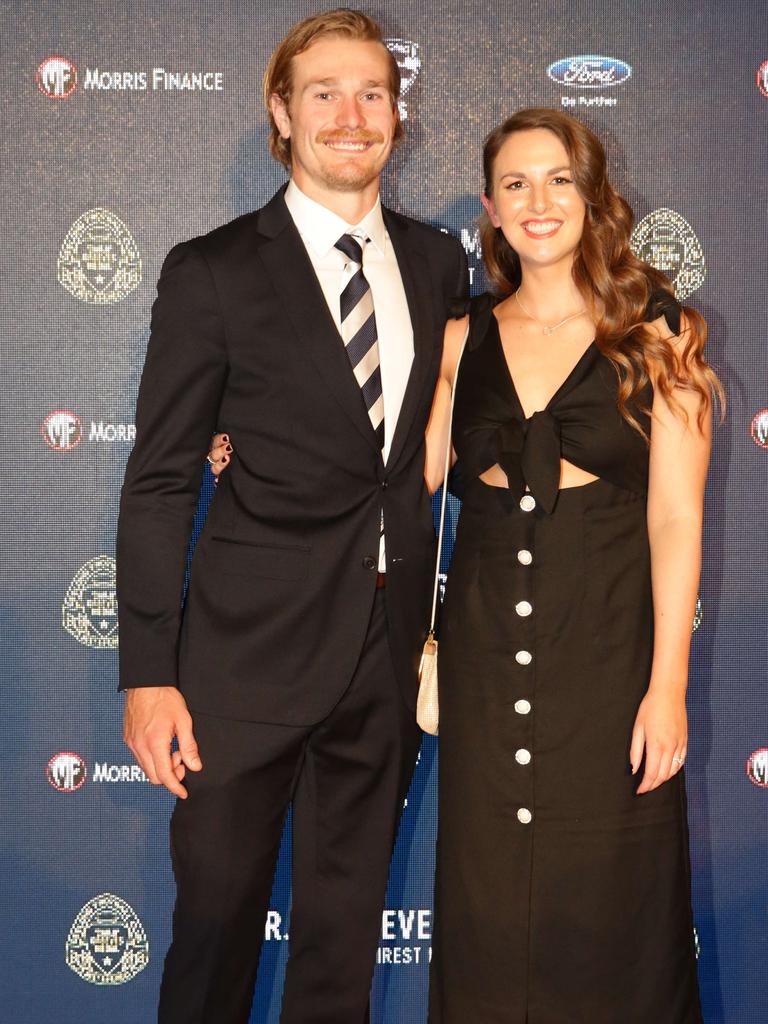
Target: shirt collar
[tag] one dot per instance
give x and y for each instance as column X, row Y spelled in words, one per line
column 322, row 228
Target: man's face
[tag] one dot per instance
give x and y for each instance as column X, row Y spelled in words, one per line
column 341, row 119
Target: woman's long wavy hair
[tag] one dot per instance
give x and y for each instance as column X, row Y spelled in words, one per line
column 616, row 285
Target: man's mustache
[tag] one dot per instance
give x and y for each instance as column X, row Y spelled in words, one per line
column 361, row 135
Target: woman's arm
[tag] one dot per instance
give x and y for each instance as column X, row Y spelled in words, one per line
column 678, row 470
column 437, row 428
column 439, row 418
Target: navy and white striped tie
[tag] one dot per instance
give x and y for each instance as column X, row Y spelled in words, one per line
column 358, row 331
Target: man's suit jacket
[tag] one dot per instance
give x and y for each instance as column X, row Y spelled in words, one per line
column 284, row 572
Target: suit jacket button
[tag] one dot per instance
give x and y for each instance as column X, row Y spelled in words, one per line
column 369, row 562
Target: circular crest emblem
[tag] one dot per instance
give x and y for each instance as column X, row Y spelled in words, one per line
column 56, row 78
column 107, row 944
column 89, row 612
column 757, row 767
column 760, row 429
column 667, row 241
column 66, row 771
column 62, row 430
column 762, row 78
column 99, row 262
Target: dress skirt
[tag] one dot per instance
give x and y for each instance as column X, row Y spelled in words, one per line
column 561, row 897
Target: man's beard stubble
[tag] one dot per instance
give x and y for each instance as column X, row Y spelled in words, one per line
column 351, row 177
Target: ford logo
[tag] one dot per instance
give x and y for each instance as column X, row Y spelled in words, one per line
column 590, row 71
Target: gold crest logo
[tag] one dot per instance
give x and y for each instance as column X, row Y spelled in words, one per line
column 99, row 262
column 668, row 242
column 107, row 944
column 89, row 612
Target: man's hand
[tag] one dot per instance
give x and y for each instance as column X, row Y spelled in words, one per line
column 153, row 716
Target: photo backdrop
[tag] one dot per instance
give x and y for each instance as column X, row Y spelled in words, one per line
column 129, row 127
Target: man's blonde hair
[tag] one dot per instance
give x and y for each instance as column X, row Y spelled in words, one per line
column 278, row 78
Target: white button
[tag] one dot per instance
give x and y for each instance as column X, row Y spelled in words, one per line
column 524, row 816
column 523, row 756
column 527, row 503
column 523, row 608
column 522, row 707
column 524, row 557
column 523, row 657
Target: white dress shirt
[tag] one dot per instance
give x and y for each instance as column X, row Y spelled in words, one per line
column 320, row 229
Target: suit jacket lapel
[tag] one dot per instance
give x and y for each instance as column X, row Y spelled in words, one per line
column 414, row 270
column 290, row 270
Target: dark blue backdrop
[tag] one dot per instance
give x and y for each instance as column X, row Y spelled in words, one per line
column 111, row 155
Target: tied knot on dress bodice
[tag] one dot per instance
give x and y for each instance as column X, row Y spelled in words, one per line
column 529, row 454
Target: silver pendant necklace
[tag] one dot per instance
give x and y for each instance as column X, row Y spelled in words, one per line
column 545, row 329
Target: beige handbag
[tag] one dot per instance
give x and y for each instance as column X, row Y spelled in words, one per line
column 427, row 705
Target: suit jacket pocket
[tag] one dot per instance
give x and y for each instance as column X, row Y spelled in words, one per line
column 269, row 561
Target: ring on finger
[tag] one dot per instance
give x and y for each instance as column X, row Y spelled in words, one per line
column 208, row 457
column 677, row 760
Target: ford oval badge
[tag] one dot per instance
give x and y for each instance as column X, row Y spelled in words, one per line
column 589, row 71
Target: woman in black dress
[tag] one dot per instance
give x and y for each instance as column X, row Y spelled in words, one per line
column 582, row 428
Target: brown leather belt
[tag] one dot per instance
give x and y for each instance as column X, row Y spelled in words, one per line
column 381, row 580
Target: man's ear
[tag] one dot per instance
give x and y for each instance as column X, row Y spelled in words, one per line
column 490, row 209
column 280, row 113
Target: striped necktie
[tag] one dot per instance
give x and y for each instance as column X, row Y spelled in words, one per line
column 358, row 332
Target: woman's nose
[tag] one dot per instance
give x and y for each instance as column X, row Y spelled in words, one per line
column 539, row 201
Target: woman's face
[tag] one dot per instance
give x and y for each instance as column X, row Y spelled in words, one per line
column 534, row 199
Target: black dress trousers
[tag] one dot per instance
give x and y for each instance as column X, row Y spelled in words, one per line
column 347, row 777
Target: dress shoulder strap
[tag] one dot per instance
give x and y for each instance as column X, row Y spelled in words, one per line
column 662, row 302
column 480, row 310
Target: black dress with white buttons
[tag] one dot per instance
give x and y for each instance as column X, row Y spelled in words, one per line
column 561, row 896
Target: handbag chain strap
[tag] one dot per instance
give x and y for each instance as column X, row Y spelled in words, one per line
column 431, row 635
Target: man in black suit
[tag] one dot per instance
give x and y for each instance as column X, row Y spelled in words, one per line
column 311, row 332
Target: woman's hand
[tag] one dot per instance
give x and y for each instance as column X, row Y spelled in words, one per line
column 661, row 731
column 219, row 453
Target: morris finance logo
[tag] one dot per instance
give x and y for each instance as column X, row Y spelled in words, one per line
column 667, row 241
column 759, row 429
column 66, row 772
column 757, row 767
column 56, row 78
column 99, row 261
column 590, row 71
column 406, row 53
column 89, row 611
column 62, row 430
column 107, row 944
column 762, row 78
